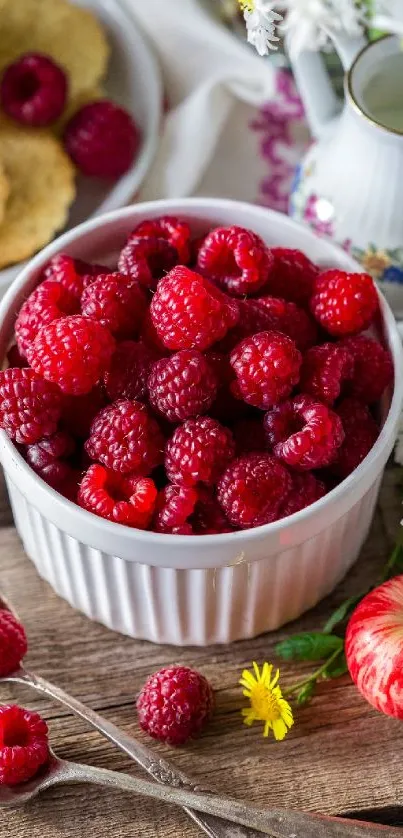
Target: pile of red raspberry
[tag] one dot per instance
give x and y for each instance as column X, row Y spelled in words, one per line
column 199, row 386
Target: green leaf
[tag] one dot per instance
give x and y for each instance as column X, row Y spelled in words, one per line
column 336, row 668
column 310, row 646
column 341, row 613
column 305, row 694
column 395, row 564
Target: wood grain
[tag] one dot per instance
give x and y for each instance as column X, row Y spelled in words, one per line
column 340, row 756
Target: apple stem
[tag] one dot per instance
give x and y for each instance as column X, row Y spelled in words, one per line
column 315, row 675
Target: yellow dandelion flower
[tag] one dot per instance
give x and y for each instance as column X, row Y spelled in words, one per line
column 266, row 701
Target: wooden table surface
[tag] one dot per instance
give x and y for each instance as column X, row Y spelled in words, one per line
column 340, row 755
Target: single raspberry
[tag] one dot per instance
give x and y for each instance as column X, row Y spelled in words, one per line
column 174, row 230
column 292, row 275
column 13, row 643
column 30, row 407
column 344, row 303
column 182, row 386
column 290, row 319
column 372, row 368
column 48, row 458
column 198, row 452
column 267, row 367
column 72, row 273
column 125, row 438
column 175, row 705
column 235, row 258
column 74, row 353
column 188, row 312
column 305, row 490
column 361, row 433
column 147, row 260
column 50, row 301
column 252, row 489
column 14, row 357
column 33, row 90
column 249, row 436
column 102, row 139
column 23, row 744
column 129, row 371
column 79, row 411
column 175, row 505
column 325, row 370
column 208, row 517
column 125, row 500
column 304, row 433
column 115, row 303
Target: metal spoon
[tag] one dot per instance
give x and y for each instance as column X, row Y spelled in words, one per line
column 278, row 823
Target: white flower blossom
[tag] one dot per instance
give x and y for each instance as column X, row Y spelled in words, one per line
column 307, row 21
column 388, row 16
column 261, row 23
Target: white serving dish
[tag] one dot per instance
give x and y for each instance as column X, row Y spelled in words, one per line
column 207, row 589
column 133, row 81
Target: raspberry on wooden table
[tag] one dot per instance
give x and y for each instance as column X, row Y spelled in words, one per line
column 73, row 352
column 189, row 312
column 50, row 301
column 33, row 90
column 102, row 139
column 361, row 433
column 73, row 274
column 372, row 368
column 325, row 371
column 304, row 433
column 235, row 258
column 175, row 705
column 116, row 303
column 125, row 438
column 48, row 458
column 129, row 371
column 267, row 367
column 24, row 744
column 147, row 260
column 30, row 407
column 290, row 319
column 344, row 303
column 13, row 643
column 292, row 275
column 252, row 489
column 305, row 490
column 124, row 499
column 182, row 385
column 175, row 505
column 174, row 230
column 198, row 452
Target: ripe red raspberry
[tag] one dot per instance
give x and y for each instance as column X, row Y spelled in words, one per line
column 267, row 367
column 198, row 452
column 125, row 500
column 372, row 368
column 74, row 353
column 208, row 517
column 305, row 434
column 175, row 705
column 361, row 433
column 252, row 489
column 129, row 371
column 23, row 744
column 30, row 407
column 80, row 411
column 175, row 505
column 188, row 312
column 72, row 273
column 292, row 275
column 102, row 139
column 305, row 490
column 116, row 303
column 33, row 90
column 48, row 458
column 125, row 438
column 249, row 436
column 50, row 301
column 182, row 386
column 13, row 643
column 174, row 230
column 235, row 258
column 344, row 303
column 147, row 260
column 325, row 370
column 290, row 319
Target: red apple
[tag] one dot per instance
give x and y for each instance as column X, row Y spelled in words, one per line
column 374, row 647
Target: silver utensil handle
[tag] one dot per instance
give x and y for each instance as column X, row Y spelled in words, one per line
column 161, row 770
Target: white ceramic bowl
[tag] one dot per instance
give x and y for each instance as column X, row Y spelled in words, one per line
column 133, row 81
column 204, row 589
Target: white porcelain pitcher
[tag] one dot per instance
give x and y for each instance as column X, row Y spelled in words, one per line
column 350, row 184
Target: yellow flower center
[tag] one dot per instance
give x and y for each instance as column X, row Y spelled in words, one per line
column 247, row 5
column 264, row 704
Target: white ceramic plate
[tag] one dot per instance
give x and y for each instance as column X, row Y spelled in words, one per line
column 133, row 81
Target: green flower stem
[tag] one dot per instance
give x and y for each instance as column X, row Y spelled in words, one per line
column 314, row 676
